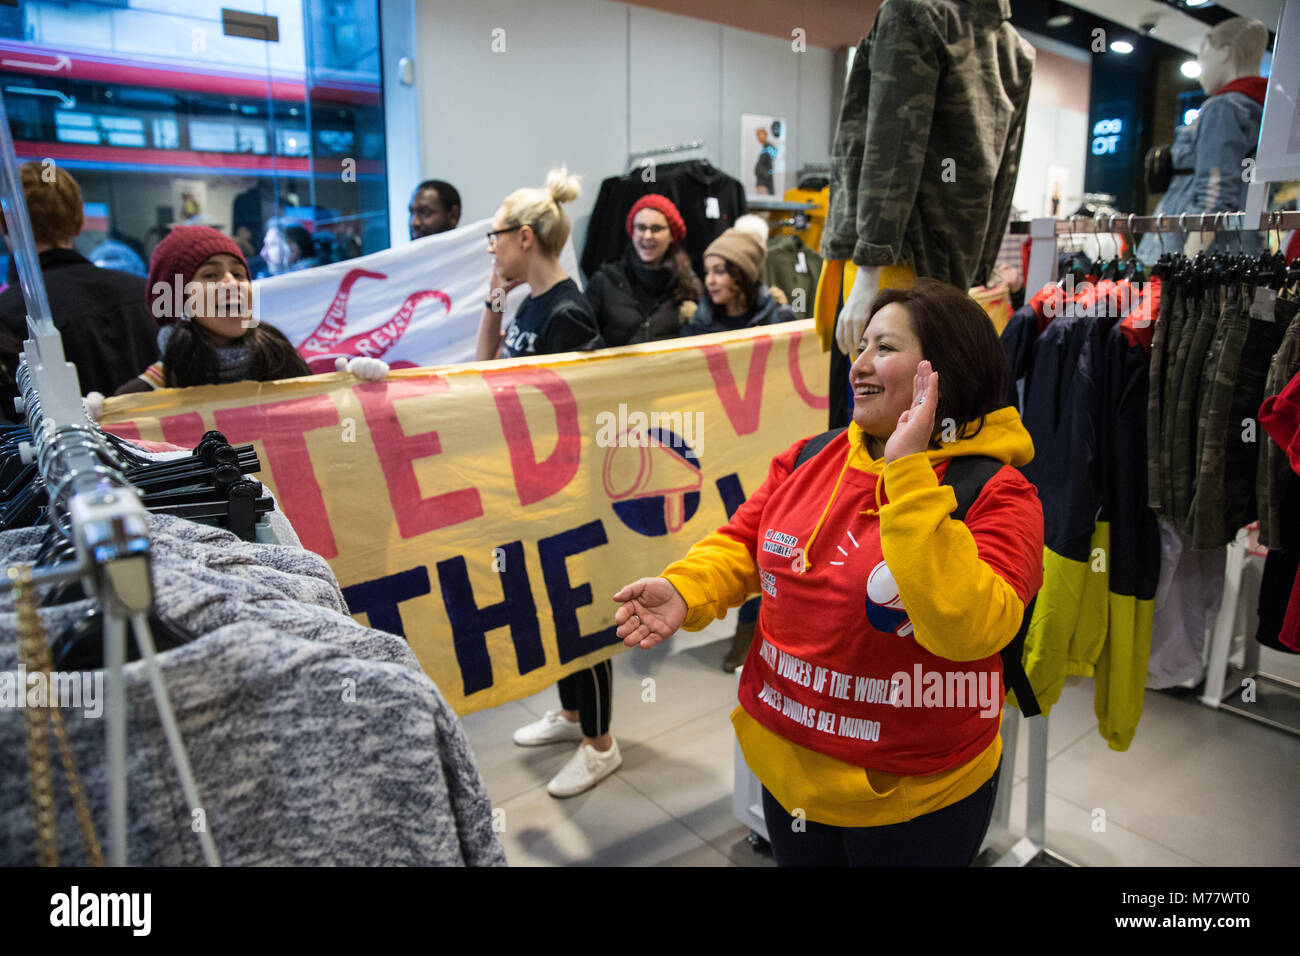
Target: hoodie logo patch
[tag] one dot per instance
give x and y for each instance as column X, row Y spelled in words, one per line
column 884, row 606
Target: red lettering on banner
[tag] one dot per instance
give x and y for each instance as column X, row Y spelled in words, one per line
column 534, row 480
column 184, row 430
column 810, row 398
column 743, row 411
column 397, row 450
column 282, row 428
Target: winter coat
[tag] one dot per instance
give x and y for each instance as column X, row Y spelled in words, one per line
column 766, row 311
column 634, row 303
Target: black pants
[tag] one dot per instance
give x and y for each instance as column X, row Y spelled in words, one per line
column 589, row 692
column 947, row 837
column 841, row 396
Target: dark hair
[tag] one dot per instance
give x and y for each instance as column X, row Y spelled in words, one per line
column 190, row 359
column 747, row 287
column 300, row 237
column 446, row 192
column 958, row 339
column 688, row 287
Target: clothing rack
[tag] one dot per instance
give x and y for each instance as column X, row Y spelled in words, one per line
column 1217, row 691
column 94, row 507
column 1044, row 233
column 634, row 158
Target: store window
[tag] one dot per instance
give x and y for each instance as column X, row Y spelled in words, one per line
column 177, row 111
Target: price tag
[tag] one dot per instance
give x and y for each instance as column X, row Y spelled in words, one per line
column 1264, row 305
column 711, row 208
column 800, row 263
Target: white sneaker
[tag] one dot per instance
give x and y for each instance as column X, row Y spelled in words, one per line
column 584, row 770
column 550, row 728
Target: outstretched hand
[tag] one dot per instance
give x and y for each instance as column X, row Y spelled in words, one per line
column 916, row 425
column 651, row 610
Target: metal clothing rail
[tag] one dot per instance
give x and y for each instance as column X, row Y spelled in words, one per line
column 663, row 151
column 1183, row 222
column 93, row 506
column 1044, row 233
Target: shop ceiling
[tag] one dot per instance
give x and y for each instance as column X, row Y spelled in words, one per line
column 1174, row 22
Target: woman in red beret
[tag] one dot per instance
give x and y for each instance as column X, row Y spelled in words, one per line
column 640, row 296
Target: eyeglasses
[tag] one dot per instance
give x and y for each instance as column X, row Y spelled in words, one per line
column 492, row 236
column 654, row 230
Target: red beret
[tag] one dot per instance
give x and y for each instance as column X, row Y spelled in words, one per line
column 181, row 253
column 676, row 226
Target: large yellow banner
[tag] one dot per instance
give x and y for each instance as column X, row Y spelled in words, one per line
column 488, row 512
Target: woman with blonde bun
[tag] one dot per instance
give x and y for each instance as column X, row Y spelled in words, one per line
column 528, row 233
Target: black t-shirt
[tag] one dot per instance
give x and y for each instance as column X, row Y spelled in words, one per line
column 558, row 320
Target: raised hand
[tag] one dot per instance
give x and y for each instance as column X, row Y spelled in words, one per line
column 916, row 425
column 650, row 611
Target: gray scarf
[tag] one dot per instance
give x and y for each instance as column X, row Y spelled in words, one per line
column 234, row 362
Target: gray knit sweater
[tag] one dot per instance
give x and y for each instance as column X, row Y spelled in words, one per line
column 313, row 740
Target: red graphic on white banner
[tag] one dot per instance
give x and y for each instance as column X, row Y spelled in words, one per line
column 326, row 342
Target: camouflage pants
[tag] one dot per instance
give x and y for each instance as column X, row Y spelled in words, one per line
column 1272, row 461
column 1191, row 361
column 1228, row 450
column 1155, row 392
column 1168, row 397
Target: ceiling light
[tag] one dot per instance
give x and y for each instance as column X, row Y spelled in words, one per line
column 1191, row 69
column 1195, row 3
column 1060, row 20
column 1121, row 46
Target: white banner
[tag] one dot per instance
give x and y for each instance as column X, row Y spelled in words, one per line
column 413, row 306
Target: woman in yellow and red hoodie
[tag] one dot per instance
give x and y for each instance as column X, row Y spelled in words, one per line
column 871, row 699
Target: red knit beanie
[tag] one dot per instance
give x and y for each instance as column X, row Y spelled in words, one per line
column 181, row 253
column 676, row 226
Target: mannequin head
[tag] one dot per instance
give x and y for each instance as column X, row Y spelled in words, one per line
column 1232, row 49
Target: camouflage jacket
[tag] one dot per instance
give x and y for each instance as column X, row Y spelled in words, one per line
column 928, row 142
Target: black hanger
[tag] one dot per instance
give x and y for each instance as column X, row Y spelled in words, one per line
column 80, row 647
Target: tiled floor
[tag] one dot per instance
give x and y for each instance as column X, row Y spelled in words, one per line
column 1197, row 787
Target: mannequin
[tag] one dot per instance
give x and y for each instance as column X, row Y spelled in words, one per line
column 1208, row 154
column 954, row 76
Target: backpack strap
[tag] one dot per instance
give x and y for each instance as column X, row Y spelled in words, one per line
column 967, row 475
column 816, row 444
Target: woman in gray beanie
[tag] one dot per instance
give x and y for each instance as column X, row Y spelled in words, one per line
column 734, row 298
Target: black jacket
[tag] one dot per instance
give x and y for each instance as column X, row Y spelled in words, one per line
column 633, row 303
column 708, row 199
column 766, row 311
column 108, row 333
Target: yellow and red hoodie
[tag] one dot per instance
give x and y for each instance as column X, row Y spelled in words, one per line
column 872, row 692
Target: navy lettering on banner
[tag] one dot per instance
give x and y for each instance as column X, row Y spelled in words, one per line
column 379, row 598
column 566, row 599
column 733, row 495
column 470, row 623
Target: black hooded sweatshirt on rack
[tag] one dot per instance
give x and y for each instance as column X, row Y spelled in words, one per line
column 708, row 199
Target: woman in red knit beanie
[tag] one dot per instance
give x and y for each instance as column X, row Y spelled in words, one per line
column 200, row 291
column 650, row 291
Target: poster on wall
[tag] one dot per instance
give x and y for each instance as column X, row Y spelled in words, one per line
column 189, row 203
column 762, row 154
